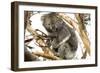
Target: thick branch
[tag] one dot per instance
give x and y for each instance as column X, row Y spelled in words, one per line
column 48, row 56
column 84, row 35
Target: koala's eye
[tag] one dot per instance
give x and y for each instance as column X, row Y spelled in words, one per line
column 48, row 24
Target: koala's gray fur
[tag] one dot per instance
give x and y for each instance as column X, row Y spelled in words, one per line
column 63, row 38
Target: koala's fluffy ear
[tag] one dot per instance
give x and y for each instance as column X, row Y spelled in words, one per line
column 43, row 17
column 49, row 15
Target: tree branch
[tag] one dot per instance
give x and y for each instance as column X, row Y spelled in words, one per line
column 48, row 56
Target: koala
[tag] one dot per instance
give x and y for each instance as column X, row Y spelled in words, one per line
column 63, row 39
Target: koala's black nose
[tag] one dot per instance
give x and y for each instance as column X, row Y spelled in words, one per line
column 49, row 30
column 56, row 49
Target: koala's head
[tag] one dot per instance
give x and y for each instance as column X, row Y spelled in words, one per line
column 49, row 21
